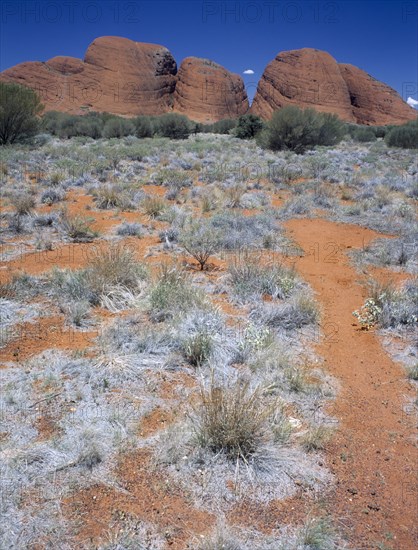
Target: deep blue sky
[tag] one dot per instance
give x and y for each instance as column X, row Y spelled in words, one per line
column 378, row 36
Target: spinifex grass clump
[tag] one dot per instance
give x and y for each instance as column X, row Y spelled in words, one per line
column 232, row 419
column 77, row 228
column 115, row 266
column 251, row 280
column 173, row 293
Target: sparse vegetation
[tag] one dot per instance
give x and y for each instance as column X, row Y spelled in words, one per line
column 203, row 372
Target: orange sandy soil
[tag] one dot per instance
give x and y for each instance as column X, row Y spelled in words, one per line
column 372, row 454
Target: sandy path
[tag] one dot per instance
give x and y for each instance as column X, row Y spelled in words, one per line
column 373, row 454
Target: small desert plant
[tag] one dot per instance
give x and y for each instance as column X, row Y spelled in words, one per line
column 317, row 534
column 389, row 307
column 316, row 438
column 200, row 240
column 197, row 348
column 413, row 372
column 233, row 195
column 173, row 293
column 127, row 229
column 248, row 126
column 112, row 196
column 300, row 129
column 115, row 266
column 23, row 203
column 77, row 228
column 232, row 419
column 51, row 196
column 173, row 126
column 301, row 310
column 251, row 280
column 153, row 206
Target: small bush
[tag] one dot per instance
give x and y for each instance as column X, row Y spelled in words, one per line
column 396, row 307
column 130, row 230
column 143, row 127
column 174, row 126
column 297, row 130
column 197, row 348
column 363, row 134
column 23, row 203
column 299, row 312
column 405, row 136
column 317, row 534
column 19, row 110
column 232, row 419
column 200, row 240
column 220, row 127
column 112, row 196
column 51, row 196
column 233, row 195
column 248, row 126
column 117, row 127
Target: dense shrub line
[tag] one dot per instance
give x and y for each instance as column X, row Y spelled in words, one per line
column 290, row 128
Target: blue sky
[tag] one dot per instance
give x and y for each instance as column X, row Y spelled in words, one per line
column 378, row 36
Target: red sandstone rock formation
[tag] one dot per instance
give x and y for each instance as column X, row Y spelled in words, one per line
column 305, row 78
column 312, row 78
column 372, row 101
column 117, row 75
column 207, row 92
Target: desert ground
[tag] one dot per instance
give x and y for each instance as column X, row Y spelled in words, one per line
column 207, row 345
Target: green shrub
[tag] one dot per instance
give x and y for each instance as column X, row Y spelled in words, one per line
column 405, row 136
column 117, row 127
column 174, row 126
column 19, row 110
column 219, row 127
column 143, row 127
column 297, row 130
column 363, row 134
column 248, row 126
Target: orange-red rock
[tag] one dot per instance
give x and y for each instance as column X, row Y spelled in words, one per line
column 207, row 92
column 305, row 78
column 313, row 78
column 372, row 101
column 117, row 75
column 128, row 78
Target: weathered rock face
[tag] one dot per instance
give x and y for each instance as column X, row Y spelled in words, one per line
column 305, row 78
column 128, row 78
column 311, row 78
column 117, row 75
column 374, row 102
column 207, row 92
